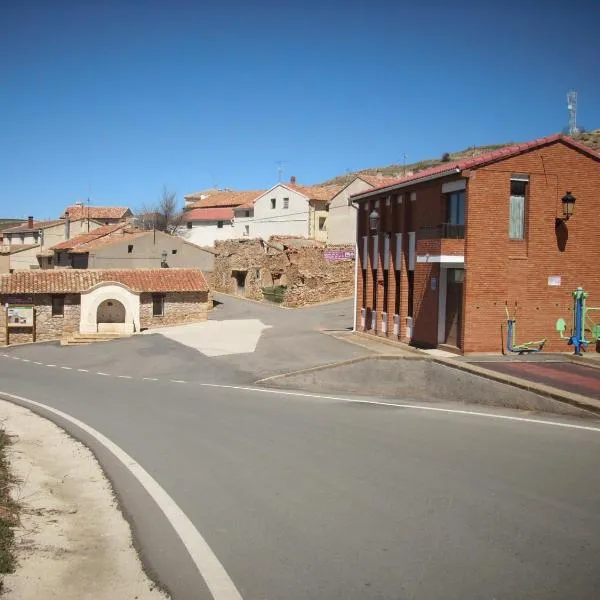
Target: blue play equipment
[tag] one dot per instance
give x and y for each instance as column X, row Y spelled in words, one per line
column 582, row 323
column 511, row 335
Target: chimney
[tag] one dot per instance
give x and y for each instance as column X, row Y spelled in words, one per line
column 30, row 222
column 67, row 228
column 293, row 180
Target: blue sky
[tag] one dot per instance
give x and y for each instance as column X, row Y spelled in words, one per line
column 117, row 99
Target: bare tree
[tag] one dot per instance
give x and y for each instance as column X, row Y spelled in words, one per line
column 163, row 215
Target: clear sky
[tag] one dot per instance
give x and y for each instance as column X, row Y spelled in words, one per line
column 116, row 99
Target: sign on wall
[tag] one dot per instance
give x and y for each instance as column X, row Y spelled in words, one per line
column 19, row 316
column 333, row 255
column 554, row 280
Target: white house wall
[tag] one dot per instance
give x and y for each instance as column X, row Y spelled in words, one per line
column 293, row 220
column 341, row 222
column 206, row 233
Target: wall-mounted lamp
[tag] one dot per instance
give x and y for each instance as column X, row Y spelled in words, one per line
column 374, row 220
column 164, row 258
column 568, row 207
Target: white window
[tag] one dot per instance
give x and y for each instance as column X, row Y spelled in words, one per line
column 273, row 203
column 516, row 218
column 286, row 203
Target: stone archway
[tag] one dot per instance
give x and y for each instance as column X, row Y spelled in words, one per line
column 110, row 312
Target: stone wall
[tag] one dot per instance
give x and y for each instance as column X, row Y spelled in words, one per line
column 179, row 308
column 244, row 267
column 48, row 327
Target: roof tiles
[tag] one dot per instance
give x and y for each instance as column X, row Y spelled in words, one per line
column 79, row 211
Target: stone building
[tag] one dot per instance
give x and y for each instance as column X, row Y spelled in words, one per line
column 53, row 304
column 307, row 271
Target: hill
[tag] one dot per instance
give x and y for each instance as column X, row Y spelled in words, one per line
column 589, row 138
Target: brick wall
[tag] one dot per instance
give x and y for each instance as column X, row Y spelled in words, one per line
column 501, row 271
column 48, row 327
column 179, row 308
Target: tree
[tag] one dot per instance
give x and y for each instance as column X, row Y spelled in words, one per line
column 446, row 157
column 163, row 215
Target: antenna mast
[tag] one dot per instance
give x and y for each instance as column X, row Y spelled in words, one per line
column 280, row 168
column 572, row 108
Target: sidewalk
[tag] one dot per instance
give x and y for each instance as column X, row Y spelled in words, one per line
column 72, row 542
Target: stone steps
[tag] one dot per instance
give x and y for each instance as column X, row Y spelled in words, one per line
column 89, row 338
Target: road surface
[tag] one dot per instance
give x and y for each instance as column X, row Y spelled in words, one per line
column 303, row 497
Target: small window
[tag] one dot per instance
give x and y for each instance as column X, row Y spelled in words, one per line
column 58, row 306
column 173, row 251
column 189, row 224
column 455, row 208
column 257, row 274
column 158, row 305
column 219, row 224
column 322, row 221
column 130, row 249
column 516, row 218
column 286, row 203
column 327, row 207
column 247, row 213
column 246, row 229
column 273, row 203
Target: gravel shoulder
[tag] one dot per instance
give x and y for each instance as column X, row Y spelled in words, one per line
column 72, row 541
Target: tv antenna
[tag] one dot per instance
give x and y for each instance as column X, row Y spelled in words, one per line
column 572, row 108
column 280, row 164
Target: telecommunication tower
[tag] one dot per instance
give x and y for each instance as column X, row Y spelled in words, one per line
column 572, row 108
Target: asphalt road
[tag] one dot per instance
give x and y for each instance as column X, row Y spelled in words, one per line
column 314, row 498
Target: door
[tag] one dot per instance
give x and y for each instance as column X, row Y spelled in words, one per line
column 240, row 282
column 454, row 295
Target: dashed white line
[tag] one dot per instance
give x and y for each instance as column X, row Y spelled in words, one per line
column 210, row 568
column 50, row 365
column 67, row 368
column 149, row 379
column 105, row 374
column 35, row 362
column 83, row 370
column 124, row 377
column 176, row 381
column 25, row 360
column 15, row 358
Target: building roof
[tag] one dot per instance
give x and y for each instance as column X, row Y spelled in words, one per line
column 8, row 223
column 224, row 198
column 122, row 235
column 315, row 192
column 455, row 167
column 208, row 214
column 17, row 248
column 81, row 211
column 37, row 225
column 378, row 180
column 88, row 237
column 74, row 281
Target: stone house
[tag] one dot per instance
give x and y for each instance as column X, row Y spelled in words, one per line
column 308, row 271
column 341, row 222
column 121, row 246
column 445, row 252
column 57, row 303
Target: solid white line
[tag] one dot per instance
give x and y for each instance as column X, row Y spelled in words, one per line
column 83, row 370
column 212, row 571
column 454, row 411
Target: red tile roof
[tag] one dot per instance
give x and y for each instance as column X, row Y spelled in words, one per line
column 477, row 162
column 122, row 235
column 88, row 237
column 222, row 199
column 315, row 192
column 74, row 281
column 79, row 211
column 208, row 214
column 36, row 226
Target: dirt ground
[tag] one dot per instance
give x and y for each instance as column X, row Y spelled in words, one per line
column 73, row 542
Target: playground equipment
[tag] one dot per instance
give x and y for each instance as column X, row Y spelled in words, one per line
column 582, row 323
column 511, row 336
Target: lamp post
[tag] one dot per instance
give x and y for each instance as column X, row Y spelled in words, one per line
column 374, row 221
column 568, row 207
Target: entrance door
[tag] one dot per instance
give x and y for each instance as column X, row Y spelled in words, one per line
column 110, row 316
column 240, row 282
column 454, row 295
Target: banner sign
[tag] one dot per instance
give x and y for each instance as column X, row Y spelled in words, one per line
column 333, row 255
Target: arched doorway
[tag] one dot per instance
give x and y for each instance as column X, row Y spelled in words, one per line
column 110, row 316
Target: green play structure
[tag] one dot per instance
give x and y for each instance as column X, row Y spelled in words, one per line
column 586, row 323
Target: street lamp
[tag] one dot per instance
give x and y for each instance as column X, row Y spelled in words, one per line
column 568, row 207
column 374, row 220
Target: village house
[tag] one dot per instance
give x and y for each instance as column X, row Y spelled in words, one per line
column 287, row 209
column 209, row 216
column 60, row 303
column 341, row 221
column 105, row 215
column 121, row 246
column 444, row 253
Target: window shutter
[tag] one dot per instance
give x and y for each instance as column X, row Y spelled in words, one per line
column 516, row 218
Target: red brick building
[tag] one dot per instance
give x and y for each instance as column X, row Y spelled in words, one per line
column 453, row 245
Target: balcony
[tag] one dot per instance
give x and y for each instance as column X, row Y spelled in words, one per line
column 444, row 231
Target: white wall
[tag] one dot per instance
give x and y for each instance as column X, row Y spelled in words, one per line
column 241, row 220
column 205, row 233
column 91, row 299
column 341, row 222
column 280, row 221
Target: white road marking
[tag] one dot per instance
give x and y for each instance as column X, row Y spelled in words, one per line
column 124, row 377
column 67, row 368
column 149, row 379
column 454, row 411
column 25, row 360
column 176, row 381
column 15, row 358
column 105, row 374
column 83, row 370
column 50, row 365
column 212, row 571
column 35, row 362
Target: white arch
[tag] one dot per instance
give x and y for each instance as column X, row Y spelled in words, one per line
column 92, row 298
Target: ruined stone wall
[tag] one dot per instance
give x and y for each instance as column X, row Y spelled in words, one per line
column 246, row 266
column 48, row 327
column 179, row 308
